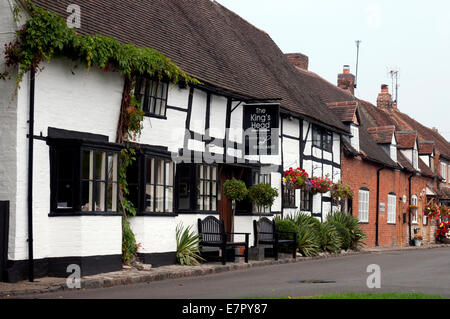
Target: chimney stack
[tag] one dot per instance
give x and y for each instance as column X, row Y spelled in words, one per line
column 299, row 60
column 346, row 80
column 384, row 99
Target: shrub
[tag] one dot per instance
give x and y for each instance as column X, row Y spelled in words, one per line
column 262, row 195
column 286, row 225
column 353, row 226
column 188, row 252
column 307, row 241
column 235, row 189
column 303, row 219
column 329, row 238
column 343, row 233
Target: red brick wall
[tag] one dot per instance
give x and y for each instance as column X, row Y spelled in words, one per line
column 359, row 173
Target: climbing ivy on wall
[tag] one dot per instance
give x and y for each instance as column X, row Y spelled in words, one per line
column 45, row 35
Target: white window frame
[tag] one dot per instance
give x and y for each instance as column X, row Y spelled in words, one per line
column 392, row 209
column 444, row 169
column 354, row 140
column 414, row 201
column 363, row 205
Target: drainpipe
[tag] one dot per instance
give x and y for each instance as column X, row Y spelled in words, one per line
column 378, row 205
column 409, row 211
column 30, row 178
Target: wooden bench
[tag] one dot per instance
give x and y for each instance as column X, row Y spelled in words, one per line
column 268, row 235
column 213, row 234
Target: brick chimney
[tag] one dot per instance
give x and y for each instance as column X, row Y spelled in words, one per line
column 299, row 60
column 346, row 80
column 384, row 99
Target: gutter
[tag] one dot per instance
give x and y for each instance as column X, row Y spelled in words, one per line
column 30, row 178
column 410, row 202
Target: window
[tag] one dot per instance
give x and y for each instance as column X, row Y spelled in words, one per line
column 322, row 139
column 259, row 178
column 363, row 208
column 288, row 198
column 83, row 179
column 392, row 209
column 99, row 185
column 393, row 152
column 414, row 211
column 150, row 184
column 415, row 159
column 305, row 201
column 207, row 188
column 444, row 171
column 153, row 96
column 158, row 185
column 354, row 140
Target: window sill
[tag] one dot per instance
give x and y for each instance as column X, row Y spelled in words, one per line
column 391, row 223
column 290, row 207
column 149, row 214
column 75, row 214
column 253, row 214
column 198, row 212
column 161, row 117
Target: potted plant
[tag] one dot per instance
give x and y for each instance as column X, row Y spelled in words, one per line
column 341, row 191
column 236, row 191
column 263, row 196
column 432, row 211
column 418, row 240
column 295, row 178
column 319, row 184
column 441, row 233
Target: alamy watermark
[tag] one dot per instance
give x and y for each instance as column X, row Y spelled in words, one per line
column 374, row 279
column 74, row 279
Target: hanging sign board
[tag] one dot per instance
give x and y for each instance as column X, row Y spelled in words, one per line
column 261, row 128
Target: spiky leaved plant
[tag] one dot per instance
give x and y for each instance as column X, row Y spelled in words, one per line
column 353, row 226
column 188, row 251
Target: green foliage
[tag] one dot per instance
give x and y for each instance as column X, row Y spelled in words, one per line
column 46, row 35
column 344, row 234
column 329, row 239
column 262, row 195
column 307, row 240
column 352, row 225
column 235, row 189
column 302, row 219
column 129, row 245
column 188, row 252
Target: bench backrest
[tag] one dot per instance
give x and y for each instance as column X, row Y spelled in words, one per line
column 211, row 225
column 266, row 229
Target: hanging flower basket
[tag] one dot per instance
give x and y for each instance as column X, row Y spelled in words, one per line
column 295, row 178
column 442, row 230
column 341, row 191
column 432, row 211
column 319, row 185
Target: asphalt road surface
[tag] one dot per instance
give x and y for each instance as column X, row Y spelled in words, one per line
column 426, row 271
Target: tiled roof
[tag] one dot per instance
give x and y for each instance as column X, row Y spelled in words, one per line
column 401, row 121
column 406, row 139
column 208, row 42
column 382, row 134
column 426, row 148
column 345, row 111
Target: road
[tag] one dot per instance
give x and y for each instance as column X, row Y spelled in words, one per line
column 426, row 271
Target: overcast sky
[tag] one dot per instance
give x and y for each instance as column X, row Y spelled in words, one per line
column 410, row 36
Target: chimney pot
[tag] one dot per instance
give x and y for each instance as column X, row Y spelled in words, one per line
column 384, row 99
column 346, row 80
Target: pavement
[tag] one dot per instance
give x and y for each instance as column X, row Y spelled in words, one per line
column 132, row 276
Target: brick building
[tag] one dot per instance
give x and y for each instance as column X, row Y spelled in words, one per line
column 389, row 161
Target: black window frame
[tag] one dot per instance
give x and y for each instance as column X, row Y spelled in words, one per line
column 288, row 199
column 140, row 186
column 146, row 98
column 305, row 205
column 211, row 188
column 322, row 139
column 267, row 179
column 77, row 147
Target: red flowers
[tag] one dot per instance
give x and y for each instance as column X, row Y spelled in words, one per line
column 320, row 184
column 295, row 178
